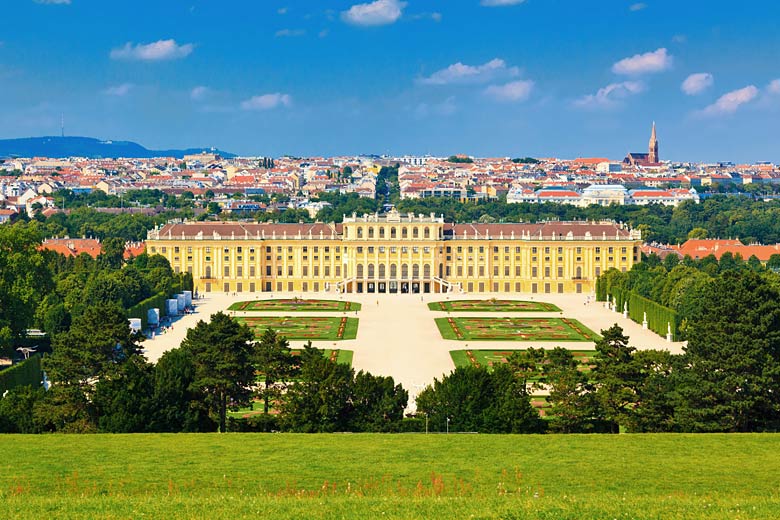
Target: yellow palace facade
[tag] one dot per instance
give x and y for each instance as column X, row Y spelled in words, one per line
column 396, row 253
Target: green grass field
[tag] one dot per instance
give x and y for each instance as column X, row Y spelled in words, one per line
column 489, row 358
column 514, row 329
column 304, row 327
column 413, row 476
column 492, row 305
column 293, row 305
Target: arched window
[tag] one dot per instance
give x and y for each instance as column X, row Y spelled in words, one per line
column 370, row 270
column 382, row 232
column 404, row 233
column 360, row 270
column 360, row 232
column 415, row 271
column 404, row 271
column 208, row 271
column 392, row 232
column 579, row 272
column 415, row 232
column 426, row 271
column 381, row 270
column 370, row 232
column 427, row 232
column 393, row 271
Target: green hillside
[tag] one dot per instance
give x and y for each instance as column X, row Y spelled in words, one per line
column 390, row 476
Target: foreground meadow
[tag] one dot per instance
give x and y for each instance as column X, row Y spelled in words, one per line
column 392, row 476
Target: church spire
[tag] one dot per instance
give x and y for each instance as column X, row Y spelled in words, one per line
column 652, row 156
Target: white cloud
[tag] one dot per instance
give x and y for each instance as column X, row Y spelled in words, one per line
column 774, row 86
column 436, row 17
column 500, row 3
column 53, row 2
column 119, row 90
column 198, row 93
column 655, row 61
column 155, row 51
column 729, row 103
column 380, row 12
column 282, row 10
column 460, row 73
column 267, row 101
column 611, row 94
column 697, row 83
column 512, row 91
column 289, row 32
column 637, row 6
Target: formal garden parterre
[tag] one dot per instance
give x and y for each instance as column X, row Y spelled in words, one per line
column 492, row 305
column 295, row 305
column 491, row 358
column 304, row 327
column 514, row 329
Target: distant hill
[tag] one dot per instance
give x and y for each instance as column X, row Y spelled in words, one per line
column 55, row 147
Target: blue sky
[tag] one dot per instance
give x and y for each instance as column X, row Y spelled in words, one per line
column 561, row 78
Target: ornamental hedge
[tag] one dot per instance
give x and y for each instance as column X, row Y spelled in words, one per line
column 26, row 373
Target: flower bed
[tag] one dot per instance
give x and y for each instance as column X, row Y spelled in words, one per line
column 514, row 329
column 492, row 305
column 295, row 305
column 304, row 327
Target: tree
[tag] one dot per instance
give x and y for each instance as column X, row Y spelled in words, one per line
column 179, row 405
column 615, row 376
column 697, row 233
column 656, row 402
column 572, row 406
column 112, row 252
column 222, row 354
column 378, row 403
column 124, row 399
column 732, row 358
column 274, row 361
column 320, row 399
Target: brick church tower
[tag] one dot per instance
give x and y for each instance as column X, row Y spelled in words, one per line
column 652, row 156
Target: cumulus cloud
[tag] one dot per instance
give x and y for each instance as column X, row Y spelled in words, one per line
column 460, row 73
column 774, row 86
column 267, row 101
column 155, row 51
column 512, row 91
column 380, row 12
column 289, row 33
column 500, row 3
column 611, row 95
column 198, row 93
column 655, row 61
column 697, row 83
column 729, row 103
column 119, row 90
column 637, row 6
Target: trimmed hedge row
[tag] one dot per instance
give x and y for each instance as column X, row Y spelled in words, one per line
column 140, row 310
column 28, row 372
column 659, row 318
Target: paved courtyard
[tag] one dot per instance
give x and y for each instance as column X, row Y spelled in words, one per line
column 397, row 335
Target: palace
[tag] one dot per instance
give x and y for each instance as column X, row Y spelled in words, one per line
column 396, row 253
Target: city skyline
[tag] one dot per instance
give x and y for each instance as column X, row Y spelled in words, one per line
column 489, row 78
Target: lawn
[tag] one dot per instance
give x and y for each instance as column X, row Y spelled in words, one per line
column 295, row 304
column 514, row 329
column 492, row 305
column 489, row 358
column 412, row 476
column 304, row 327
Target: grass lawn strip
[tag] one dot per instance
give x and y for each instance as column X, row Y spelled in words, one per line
column 304, row 327
column 492, row 305
column 665, row 476
column 514, row 329
column 295, row 305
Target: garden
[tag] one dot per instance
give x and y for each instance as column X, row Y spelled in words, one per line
column 295, row 305
column 514, row 329
column 492, row 305
column 304, row 327
column 491, row 358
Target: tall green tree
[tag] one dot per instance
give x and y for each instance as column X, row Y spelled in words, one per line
column 274, row 361
column 733, row 357
column 222, row 354
column 378, row 403
column 179, row 405
column 572, row 406
column 615, row 376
